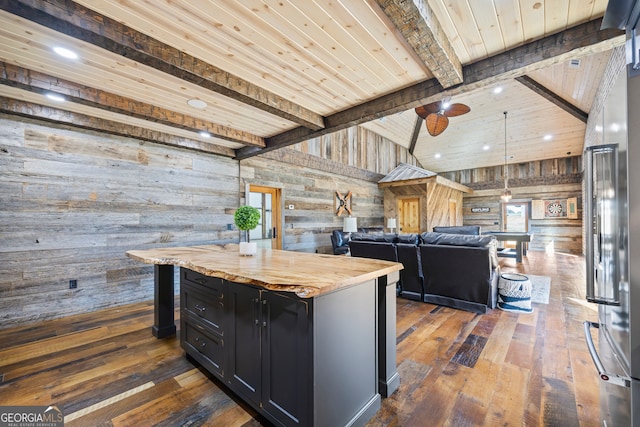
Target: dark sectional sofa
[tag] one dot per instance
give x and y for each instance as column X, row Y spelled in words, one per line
column 455, row 270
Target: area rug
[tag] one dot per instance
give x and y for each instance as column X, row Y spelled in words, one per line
column 540, row 287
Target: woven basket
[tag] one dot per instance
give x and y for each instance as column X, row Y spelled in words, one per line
column 514, row 293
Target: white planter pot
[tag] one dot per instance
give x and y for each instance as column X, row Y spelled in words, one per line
column 248, row 248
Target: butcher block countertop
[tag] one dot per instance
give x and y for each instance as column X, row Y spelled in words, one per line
column 305, row 274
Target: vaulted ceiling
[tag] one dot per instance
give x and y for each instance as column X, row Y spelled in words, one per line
column 269, row 74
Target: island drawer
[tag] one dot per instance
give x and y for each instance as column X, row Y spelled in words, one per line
column 206, row 349
column 200, row 303
column 213, row 283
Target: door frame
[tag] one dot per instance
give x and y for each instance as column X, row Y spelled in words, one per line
column 527, row 213
column 277, row 207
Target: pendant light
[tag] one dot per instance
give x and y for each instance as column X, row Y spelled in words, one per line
column 506, row 193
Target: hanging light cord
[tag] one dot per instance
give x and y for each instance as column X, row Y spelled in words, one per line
column 506, row 171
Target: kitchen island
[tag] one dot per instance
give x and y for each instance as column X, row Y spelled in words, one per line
column 305, row 339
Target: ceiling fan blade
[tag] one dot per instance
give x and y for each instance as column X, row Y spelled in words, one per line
column 424, row 110
column 456, row 110
column 436, row 123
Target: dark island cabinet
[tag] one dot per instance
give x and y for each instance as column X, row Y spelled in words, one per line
column 256, row 341
column 269, row 347
column 297, row 361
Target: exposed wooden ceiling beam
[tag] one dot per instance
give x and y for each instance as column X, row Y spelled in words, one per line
column 27, row 109
column 81, row 23
column 418, row 25
column 576, row 42
column 415, row 134
column 553, row 98
column 34, row 81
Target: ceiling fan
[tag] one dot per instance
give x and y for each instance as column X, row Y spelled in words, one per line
column 436, row 115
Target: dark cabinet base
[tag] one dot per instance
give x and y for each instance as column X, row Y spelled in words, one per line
column 321, row 361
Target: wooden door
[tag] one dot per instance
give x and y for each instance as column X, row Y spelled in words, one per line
column 269, row 231
column 409, row 215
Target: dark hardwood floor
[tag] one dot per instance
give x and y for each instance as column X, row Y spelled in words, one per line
column 457, row 368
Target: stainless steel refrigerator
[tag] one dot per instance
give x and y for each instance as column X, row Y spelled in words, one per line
column 612, row 225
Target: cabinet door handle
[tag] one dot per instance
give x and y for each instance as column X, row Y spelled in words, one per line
column 256, row 315
column 200, row 280
column 200, row 308
column 264, row 313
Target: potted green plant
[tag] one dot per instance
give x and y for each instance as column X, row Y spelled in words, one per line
column 246, row 218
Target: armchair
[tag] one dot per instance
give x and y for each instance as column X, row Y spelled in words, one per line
column 340, row 242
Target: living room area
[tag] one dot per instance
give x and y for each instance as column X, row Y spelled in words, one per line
column 159, row 135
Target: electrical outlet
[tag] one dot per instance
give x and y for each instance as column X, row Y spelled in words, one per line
column 73, row 284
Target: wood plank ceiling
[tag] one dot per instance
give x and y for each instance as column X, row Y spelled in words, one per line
column 274, row 73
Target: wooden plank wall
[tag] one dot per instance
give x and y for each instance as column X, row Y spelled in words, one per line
column 309, row 184
column 438, row 198
column 540, row 180
column 73, row 201
column 358, row 147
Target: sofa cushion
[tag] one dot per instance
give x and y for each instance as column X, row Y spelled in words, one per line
column 433, row 238
column 458, row 229
column 412, row 239
column 376, row 250
column 374, row 237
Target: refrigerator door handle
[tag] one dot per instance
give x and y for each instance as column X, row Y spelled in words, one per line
column 604, row 376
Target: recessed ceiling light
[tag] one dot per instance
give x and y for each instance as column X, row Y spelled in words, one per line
column 197, row 103
column 56, row 97
column 486, row 147
column 437, row 155
column 205, row 134
column 65, row 53
column 547, row 137
column 497, row 89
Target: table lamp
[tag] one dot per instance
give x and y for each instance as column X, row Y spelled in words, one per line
column 350, row 225
column 391, row 224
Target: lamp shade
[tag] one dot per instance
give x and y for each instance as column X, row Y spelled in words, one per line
column 391, row 223
column 350, row 225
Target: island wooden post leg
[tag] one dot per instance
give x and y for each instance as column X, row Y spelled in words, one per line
column 164, row 325
column 388, row 377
